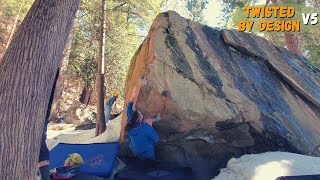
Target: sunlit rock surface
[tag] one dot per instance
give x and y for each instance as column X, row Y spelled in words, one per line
column 223, row 94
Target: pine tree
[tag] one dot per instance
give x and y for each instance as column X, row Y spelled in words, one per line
column 27, row 72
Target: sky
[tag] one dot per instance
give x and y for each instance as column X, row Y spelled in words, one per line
column 212, row 13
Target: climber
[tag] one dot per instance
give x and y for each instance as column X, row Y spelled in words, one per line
column 142, row 135
column 109, row 103
column 43, row 163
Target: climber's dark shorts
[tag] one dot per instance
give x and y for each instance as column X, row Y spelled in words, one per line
column 44, row 151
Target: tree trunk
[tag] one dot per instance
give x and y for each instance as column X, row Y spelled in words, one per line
column 55, row 112
column 86, row 94
column 101, row 122
column 15, row 24
column 292, row 43
column 291, row 40
column 27, row 72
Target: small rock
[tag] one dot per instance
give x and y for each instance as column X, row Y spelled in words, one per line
column 86, row 126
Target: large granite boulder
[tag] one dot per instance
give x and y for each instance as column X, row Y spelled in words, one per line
column 223, row 94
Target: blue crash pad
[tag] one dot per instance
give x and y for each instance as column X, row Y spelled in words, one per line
column 99, row 158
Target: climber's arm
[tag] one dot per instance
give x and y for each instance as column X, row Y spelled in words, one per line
column 129, row 109
column 135, row 93
column 132, row 101
column 151, row 121
column 134, row 97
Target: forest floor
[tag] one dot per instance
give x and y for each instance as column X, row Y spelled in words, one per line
column 68, row 134
column 265, row 166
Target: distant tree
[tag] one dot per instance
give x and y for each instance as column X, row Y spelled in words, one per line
column 12, row 13
column 310, row 42
column 101, row 121
column 82, row 66
column 124, row 24
column 86, row 70
column 292, row 40
column 55, row 111
column 196, row 7
column 27, row 72
column 228, row 6
column 292, row 43
column 15, row 23
column 314, row 3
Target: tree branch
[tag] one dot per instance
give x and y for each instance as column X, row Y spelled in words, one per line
column 119, row 6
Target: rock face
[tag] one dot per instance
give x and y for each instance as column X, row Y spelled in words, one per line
column 223, row 94
column 79, row 114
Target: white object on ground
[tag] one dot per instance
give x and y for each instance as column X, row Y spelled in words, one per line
column 269, row 166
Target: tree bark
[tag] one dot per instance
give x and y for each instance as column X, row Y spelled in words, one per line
column 55, row 112
column 291, row 40
column 27, row 72
column 292, row 43
column 86, row 94
column 101, row 122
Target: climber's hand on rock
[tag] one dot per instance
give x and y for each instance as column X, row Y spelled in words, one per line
column 143, row 82
column 157, row 118
column 149, row 121
column 135, row 92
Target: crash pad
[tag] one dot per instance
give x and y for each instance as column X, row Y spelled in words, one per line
column 99, row 158
column 153, row 170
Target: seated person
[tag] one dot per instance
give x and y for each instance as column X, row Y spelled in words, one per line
column 142, row 135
